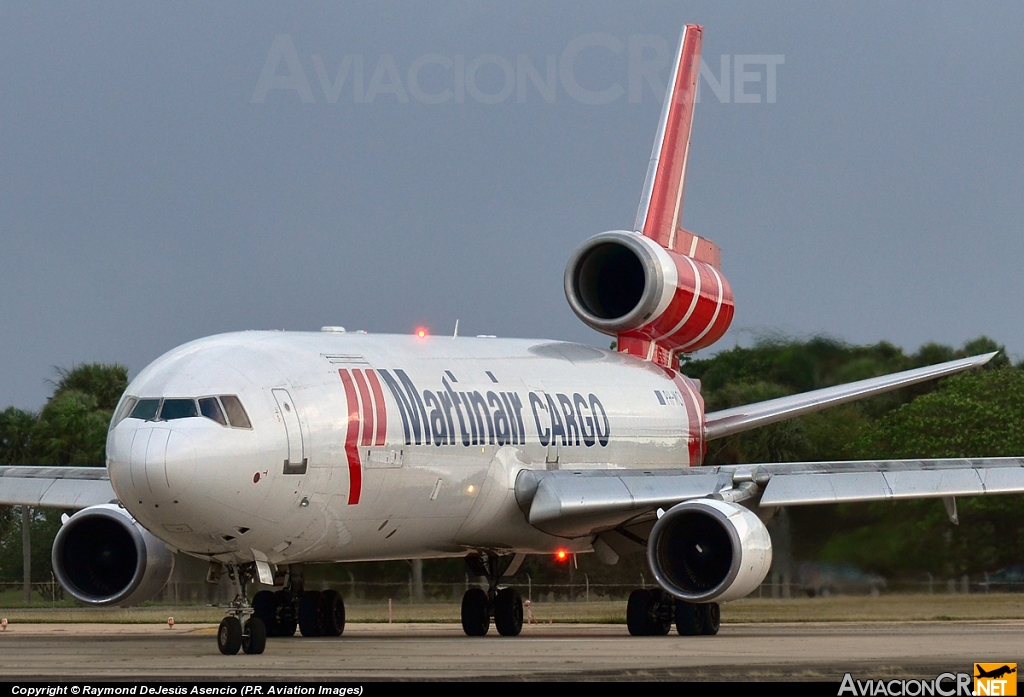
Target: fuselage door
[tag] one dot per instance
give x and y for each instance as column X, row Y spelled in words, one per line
column 297, row 461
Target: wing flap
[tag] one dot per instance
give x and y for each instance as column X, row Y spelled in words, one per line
column 575, row 503
column 55, row 487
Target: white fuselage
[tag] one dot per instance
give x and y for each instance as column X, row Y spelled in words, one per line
column 384, row 446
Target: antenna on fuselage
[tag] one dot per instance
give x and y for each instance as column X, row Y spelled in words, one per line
column 456, row 334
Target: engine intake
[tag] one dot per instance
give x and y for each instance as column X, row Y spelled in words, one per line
column 102, row 556
column 705, row 550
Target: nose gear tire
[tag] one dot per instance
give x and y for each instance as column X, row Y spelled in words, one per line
column 254, row 636
column 229, row 636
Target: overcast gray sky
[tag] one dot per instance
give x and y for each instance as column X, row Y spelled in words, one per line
column 153, row 190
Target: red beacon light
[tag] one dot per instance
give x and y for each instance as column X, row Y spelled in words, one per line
column 561, row 555
column 421, row 333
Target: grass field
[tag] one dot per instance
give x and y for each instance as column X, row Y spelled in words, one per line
column 832, row 609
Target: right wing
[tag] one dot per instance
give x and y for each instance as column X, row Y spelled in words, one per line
column 55, row 487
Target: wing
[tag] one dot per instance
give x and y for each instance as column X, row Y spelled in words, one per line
column 719, row 424
column 55, row 487
column 579, row 503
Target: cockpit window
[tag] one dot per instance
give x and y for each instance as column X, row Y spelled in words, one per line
column 210, row 408
column 124, row 410
column 178, row 409
column 236, row 412
column 146, row 409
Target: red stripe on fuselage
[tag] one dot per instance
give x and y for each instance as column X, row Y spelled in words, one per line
column 381, row 407
column 355, row 470
column 694, row 413
column 364, row 397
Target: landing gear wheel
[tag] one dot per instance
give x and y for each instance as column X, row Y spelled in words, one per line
column 661, row 612
column 475, row 618
column 229, row 636
column 636, row 612
column 332, row 613
column 265, row 607
column 690, row 618
column 287, row 620
column 254, row 636
column 310, row 615
column 648, row 613
column 508, row 612
column 712, row 618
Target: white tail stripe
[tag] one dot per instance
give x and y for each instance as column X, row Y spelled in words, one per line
column 693, row 302
column 718, row 309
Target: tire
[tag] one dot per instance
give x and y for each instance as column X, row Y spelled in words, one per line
column 254, row 636
column 508, row 612
column 265, row 607
column 712, row 613
column 475, row 618
column 287, row 613
column 309, row 614
column 690, row 618
column 638, row 611
column 229, row 636
column 332, row 612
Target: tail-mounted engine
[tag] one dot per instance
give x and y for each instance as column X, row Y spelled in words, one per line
column 103, row 557
column 706, row 550
column 627, row 285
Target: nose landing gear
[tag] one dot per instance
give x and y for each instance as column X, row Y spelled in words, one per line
column 505, row 605
column 241, row 629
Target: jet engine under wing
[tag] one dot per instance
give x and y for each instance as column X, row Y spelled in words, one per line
column 719, row 424
column 56, row 487
column 578, row 503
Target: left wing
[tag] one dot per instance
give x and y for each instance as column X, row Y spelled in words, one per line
column 718, row 424
column 571, row 503
column 55, row 487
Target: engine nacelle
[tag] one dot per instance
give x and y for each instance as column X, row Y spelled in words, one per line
column 627, row 285
column 103, row 557
column 704, row 550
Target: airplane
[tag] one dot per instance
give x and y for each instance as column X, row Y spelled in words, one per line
column 261, row 452
column 994, row 673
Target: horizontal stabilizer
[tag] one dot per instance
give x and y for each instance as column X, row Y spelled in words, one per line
column 723, row 423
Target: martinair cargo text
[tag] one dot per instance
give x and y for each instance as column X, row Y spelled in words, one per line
column 262, row 452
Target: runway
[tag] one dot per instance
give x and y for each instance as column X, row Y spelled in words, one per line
column 791, row 651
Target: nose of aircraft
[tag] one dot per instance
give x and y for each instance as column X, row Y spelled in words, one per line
column 150, row 462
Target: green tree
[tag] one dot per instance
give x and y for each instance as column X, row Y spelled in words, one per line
column 105, row 382
column 72, row 431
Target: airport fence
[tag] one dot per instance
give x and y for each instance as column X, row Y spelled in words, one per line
column 199, row 593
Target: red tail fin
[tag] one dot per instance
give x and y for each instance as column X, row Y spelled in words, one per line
column 662, row 200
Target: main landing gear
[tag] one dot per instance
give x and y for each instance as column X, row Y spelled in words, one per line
column 505, row 605
column 277, row 613
column 651, row 612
